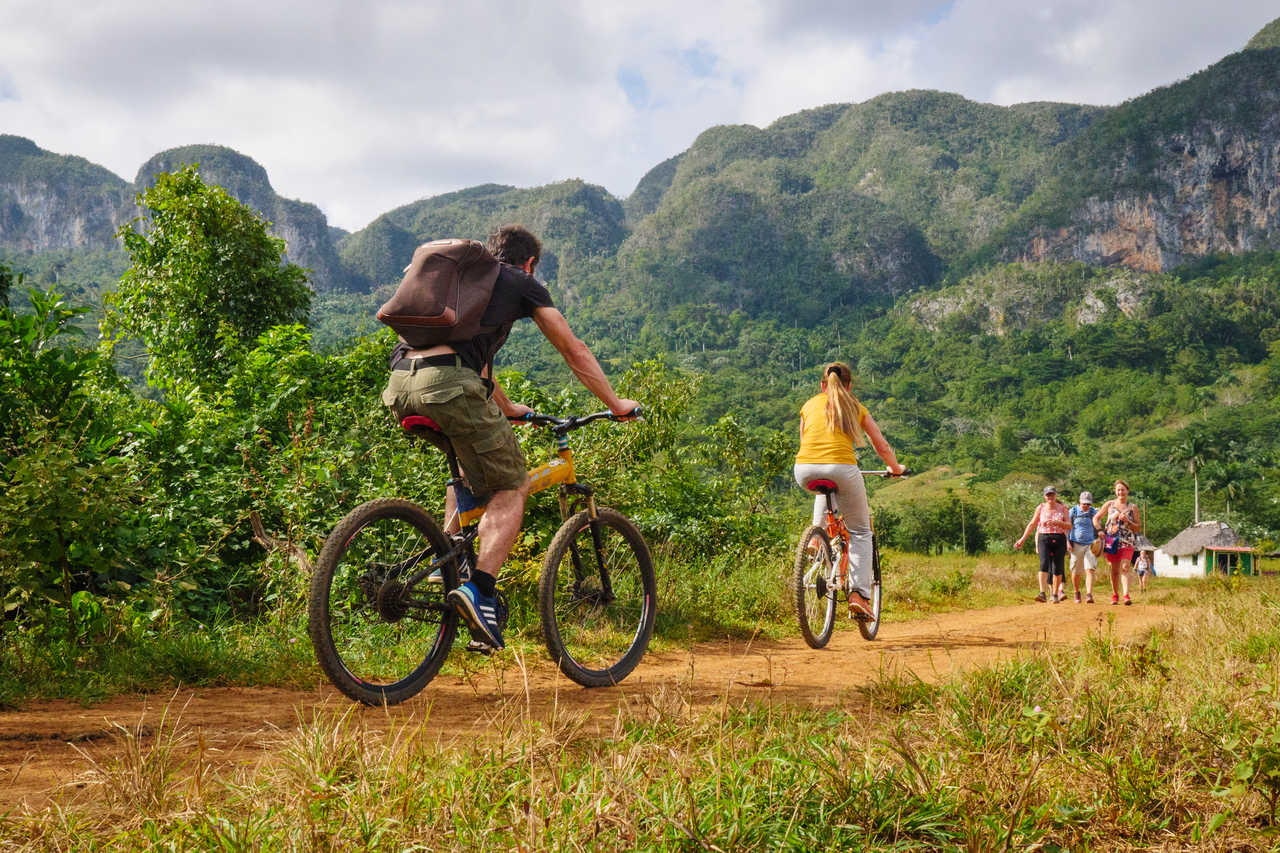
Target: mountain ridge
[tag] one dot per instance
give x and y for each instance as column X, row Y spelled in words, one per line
column 896, row 193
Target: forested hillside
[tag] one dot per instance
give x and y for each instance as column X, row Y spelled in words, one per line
column 1017, row 287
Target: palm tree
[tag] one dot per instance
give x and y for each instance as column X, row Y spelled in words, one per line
column 1192, row 451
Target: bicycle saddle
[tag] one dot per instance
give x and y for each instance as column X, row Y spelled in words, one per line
column 414, row 423
column 424, row 427
column 824, row 487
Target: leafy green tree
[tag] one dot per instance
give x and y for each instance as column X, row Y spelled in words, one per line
column 205, row 280
column 8, row 278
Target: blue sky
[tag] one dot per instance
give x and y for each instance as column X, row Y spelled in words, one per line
column 360, row 108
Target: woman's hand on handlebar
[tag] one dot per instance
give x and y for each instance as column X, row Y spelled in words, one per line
column 897, row 469
column 518, row 412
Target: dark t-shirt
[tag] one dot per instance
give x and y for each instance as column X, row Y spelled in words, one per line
column 515, row 296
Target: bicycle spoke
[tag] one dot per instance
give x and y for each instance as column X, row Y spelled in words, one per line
column 377, row 637
column 597, row 598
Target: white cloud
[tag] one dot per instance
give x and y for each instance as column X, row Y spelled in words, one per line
column 361, row 108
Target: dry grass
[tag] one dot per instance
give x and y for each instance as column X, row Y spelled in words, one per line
column 1169, row 743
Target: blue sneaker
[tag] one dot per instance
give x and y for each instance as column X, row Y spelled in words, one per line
column 480, row 611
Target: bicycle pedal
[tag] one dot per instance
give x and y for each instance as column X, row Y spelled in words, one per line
column 480, row 647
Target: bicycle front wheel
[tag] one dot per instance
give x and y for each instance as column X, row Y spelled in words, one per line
column 597, row 597
column 814, row 586
column 380, row 625
column 870, row 627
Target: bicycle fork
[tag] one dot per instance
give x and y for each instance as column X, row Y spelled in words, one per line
column 585, row 495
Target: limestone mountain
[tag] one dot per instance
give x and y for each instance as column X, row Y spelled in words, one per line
column 51, row 201
column 576, row 221
column 52, row 204
column 841, row 205
column 1185, row 171
column 301, row 225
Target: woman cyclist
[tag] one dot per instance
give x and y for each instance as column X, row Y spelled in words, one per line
column 832, row 423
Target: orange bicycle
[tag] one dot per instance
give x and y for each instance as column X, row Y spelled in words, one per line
column 822, row 573
column 377, row 613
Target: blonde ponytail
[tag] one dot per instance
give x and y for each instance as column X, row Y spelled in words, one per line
column 843, row 409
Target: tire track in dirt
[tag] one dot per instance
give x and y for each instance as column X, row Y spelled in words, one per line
column 43, row 746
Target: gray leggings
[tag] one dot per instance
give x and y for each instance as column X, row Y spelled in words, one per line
column 851, row 502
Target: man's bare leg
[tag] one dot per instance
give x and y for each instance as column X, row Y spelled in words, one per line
column 501, row 522
column 451, row 524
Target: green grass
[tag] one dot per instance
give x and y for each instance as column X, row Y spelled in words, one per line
column 1168, row 742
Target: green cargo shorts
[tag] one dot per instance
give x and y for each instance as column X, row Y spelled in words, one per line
column 457, row 400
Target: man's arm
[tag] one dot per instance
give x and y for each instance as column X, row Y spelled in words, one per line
column 508, row 408
column 580, row 360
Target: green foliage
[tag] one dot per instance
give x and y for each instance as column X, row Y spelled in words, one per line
column 7, row 281
column 1266, row 38
column 206, row 278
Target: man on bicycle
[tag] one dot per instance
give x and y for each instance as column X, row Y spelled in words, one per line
column 451, row 384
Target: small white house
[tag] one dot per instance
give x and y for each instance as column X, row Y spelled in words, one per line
column 1202, row 549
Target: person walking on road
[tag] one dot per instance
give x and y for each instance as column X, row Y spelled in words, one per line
column 1142, row 565
column 1120, row 520
column 1052, row 522
column 1080, row 542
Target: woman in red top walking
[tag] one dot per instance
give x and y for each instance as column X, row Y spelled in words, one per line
column 1052, row 523
column 1120, row 520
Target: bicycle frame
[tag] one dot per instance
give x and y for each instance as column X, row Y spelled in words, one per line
column 557, row 471
column 836, row 530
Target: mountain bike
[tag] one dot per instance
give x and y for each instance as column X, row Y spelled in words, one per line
column 822, row 573
column 377, row 613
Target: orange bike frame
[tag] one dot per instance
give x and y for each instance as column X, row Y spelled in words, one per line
column 837, row 530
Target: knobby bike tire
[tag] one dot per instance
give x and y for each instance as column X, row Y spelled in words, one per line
column 814, row 593
column 378, row 641
column 597, row 641
column 870, row 627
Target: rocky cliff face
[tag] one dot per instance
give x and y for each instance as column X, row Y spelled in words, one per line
column 50, row 201
column 1189, row 170
column 1222, row 194
column 302, row 226
column 1018, row 296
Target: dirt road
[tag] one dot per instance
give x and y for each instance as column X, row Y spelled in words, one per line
column 40, row 746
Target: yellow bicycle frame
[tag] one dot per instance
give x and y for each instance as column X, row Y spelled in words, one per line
column 558, row 471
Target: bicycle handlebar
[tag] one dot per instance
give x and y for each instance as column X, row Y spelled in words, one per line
column 569, row 424
column 886, row 473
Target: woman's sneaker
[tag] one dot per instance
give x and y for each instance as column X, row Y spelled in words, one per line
column 1077, row 596
column 1127, row 600
column 1115, row 599
column 1041, row 598
column 480, row 611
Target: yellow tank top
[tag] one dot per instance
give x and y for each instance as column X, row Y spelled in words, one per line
column 819, row 445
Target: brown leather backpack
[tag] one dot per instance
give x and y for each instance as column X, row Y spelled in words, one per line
column 444, row 293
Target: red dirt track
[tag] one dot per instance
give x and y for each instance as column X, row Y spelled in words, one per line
column 40, row 746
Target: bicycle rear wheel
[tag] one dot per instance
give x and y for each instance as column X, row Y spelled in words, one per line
column 597, row 597
column 813, row 584
column 380, row 633
column 870, row 627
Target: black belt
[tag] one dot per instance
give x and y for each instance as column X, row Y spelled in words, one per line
column 450, row 359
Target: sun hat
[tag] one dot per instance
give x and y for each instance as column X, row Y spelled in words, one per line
column 1050, row 490
column 1086, row 497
